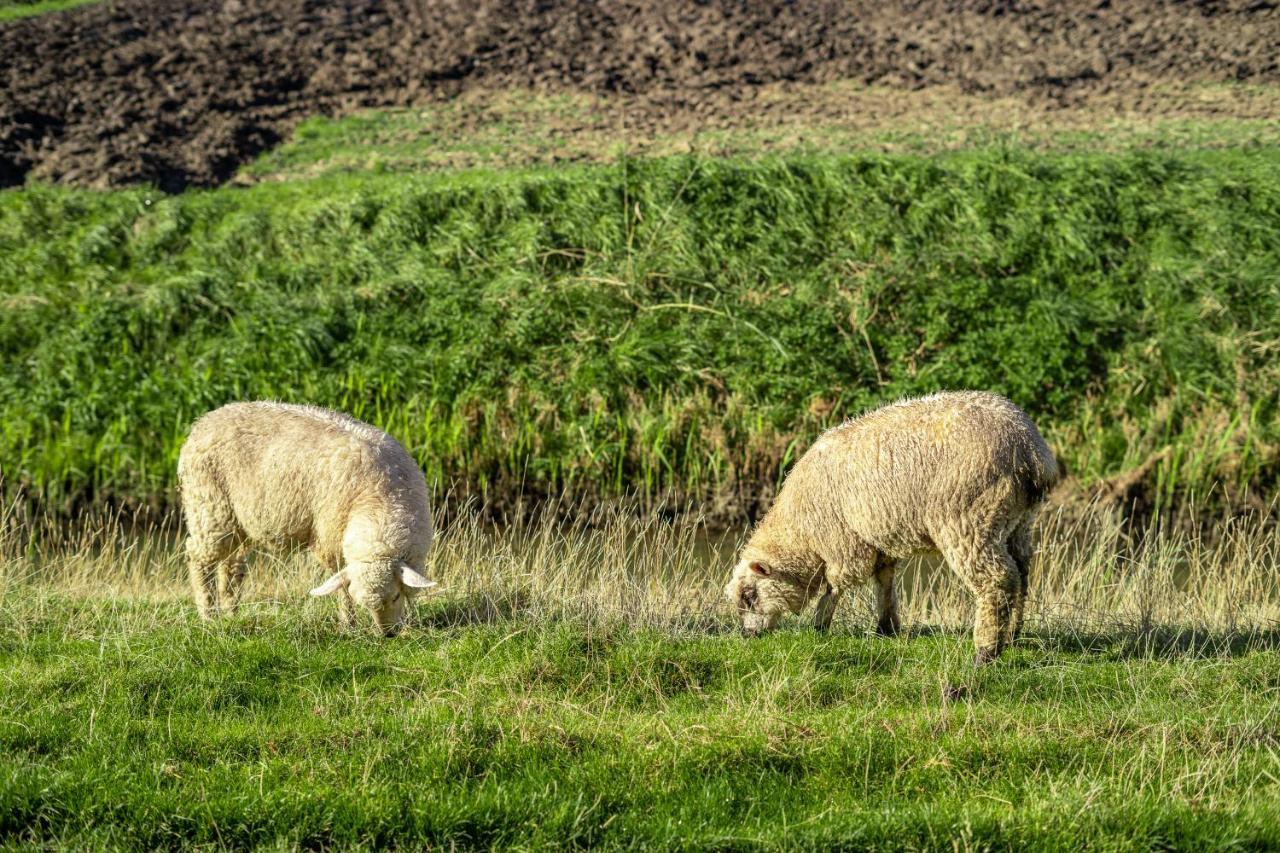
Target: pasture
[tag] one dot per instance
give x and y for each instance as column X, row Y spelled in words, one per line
column 580, row 683
column 606, row 274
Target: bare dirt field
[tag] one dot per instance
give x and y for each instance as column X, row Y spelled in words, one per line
column 183, row 92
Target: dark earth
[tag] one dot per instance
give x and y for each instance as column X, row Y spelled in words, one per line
column 180, row 93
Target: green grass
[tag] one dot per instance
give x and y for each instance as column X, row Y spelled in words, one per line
column 519, row 129
column 130, row 725
column 580, row 682
column 678, row 326
column 493, row 131
column 13, row 9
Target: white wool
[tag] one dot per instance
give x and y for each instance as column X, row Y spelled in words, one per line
column 271, row 474
column 960, row 473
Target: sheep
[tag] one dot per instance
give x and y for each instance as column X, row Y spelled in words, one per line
column 958, row 473
column 273, row 474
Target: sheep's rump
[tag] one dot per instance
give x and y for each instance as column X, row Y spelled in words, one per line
column 901, row 473
column 290, row 474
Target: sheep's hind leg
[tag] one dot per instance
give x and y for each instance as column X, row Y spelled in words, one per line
column 989, row 571
column 212, row 536
column 231, row 576
column 1021, row 551
column 202, row 568
column 888, row 624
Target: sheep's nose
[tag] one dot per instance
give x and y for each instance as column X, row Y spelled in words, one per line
column 391, row 631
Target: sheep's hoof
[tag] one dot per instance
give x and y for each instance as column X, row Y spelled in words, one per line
column 955, row 692
column 887, row 628
column 986, row 655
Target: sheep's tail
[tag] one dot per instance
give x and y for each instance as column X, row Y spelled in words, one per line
column 1040, row 477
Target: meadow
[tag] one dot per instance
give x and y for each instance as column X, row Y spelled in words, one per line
column 579, row 683
column 605, row 363
column 14, row 9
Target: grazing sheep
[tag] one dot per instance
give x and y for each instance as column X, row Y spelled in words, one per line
column 273, row 474
column 959, row 473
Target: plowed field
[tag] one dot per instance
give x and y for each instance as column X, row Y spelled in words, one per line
column 182, row 92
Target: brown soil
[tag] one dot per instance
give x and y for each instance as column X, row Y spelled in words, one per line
column 181, row 92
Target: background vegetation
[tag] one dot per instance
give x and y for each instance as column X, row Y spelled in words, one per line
column 678, row 327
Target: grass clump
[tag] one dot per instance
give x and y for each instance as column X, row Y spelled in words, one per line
column 13, row 9
column 678, row 327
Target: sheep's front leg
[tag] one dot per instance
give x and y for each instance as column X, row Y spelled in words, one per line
column 841, row 574
column 888, row 624
column 347, row 611
column 826, row 608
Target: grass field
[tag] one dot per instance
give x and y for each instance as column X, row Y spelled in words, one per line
column 619, row 346
column 580, row 683
column 519, row 129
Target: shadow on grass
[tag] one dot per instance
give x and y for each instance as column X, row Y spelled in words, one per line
column 1119, row 642
column 1154, row 642
column 473, row 609
column 520, row 606
column 1127, row 642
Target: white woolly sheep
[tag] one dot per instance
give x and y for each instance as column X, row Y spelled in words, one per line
column 274, row 474
column 959, row 473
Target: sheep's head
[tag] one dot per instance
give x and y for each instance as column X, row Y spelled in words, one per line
column 380, row 588
column 761, row 595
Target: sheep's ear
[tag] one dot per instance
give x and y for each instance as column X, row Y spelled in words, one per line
column 415, row 579
column 332, row 585
column 762, row 569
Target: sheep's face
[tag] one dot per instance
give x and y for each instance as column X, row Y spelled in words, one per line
column 760, row 597
column 380, row 588
column 383, row 597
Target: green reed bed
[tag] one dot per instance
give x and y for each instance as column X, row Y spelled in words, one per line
column 679, row 327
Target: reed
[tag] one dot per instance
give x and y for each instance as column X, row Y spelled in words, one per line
column 616, row 565
column 678, row 329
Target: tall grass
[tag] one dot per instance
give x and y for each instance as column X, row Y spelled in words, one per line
column 679, row 328
column 1094, row 574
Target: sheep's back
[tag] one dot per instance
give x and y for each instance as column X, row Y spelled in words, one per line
column 290, row 474
column 899, row 472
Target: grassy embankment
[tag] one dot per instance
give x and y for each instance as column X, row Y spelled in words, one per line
column 581, row 685
column 679, row 327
